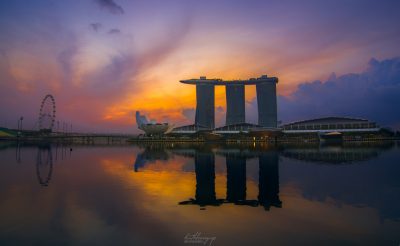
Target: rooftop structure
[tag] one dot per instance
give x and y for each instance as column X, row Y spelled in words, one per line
column 251, row 81
column 189, row 129
column 331, row 124
column 236, row 128
column 235, row 100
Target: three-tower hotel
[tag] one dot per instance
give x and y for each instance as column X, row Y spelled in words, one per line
column 235, row 101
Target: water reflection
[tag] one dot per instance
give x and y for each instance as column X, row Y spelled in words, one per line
column 121, row 194
column 236, row 158
column 149, row 155
column 18, row 153
column 236, row 179
column 337, row 153
column 268, row 182
column 44, row 157
column 205, row 181
column 44, row 164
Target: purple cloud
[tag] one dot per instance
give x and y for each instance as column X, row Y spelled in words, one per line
column 96, row 26
column 111, row 6
column 114, row 31
column 372, row 94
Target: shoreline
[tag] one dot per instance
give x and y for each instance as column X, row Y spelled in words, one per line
column 129, row 140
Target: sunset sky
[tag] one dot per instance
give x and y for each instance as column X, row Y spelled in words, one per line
column 104, row 59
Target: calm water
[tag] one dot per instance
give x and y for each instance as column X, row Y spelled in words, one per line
column 233, row 195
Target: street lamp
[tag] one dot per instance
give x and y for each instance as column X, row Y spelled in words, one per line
column 19, row 127
column 21, row 119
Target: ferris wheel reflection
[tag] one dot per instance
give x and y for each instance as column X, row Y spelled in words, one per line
column 45, row 161
column 44, row 165
column 47, row 154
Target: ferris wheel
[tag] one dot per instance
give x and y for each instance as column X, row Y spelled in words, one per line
column 47, row 113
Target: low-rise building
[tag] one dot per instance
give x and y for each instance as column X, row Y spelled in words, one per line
column 331, row 124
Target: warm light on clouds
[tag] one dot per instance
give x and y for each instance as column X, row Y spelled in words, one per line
column 99, row 76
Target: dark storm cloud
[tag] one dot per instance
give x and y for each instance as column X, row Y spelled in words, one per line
column 111, row 6
column 373, row 94
column 114, row 31
column 96, row 26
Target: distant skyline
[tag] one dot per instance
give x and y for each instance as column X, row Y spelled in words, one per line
column 105, row 59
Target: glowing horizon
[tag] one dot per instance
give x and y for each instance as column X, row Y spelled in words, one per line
column 104, row 61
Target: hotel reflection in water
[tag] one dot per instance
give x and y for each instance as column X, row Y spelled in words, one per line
column 268, row 168
column 204, row 163
column 235, row 161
